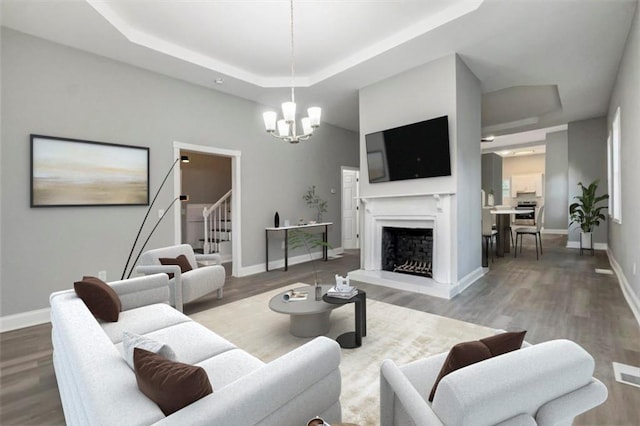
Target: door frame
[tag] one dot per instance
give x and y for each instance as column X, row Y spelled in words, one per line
column 342, row 170
column 236, row 205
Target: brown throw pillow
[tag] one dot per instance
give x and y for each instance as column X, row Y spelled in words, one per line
column 467, row 353
column 101, row 300
column 181, row 261
column 172, row 385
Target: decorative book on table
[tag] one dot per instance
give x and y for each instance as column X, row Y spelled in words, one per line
column 342, row 289
column 342, row 294
column 293, row 296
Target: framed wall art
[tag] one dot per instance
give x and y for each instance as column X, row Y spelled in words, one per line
column 72, row 172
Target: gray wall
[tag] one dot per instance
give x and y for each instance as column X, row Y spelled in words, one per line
column 587, row 153
column 442, row 87
column 468, row 175
column 427, row 91
column 556, row 210
column 59, row 91
column 624, row 238
column 492, row 176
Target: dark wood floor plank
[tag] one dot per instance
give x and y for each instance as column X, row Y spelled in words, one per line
column 558, row 296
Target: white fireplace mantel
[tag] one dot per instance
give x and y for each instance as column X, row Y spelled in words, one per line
column 409, row 211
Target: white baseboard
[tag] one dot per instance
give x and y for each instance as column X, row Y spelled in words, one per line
column 25, row 319
column 468, row 280
column 597, row 246
column 555, row 231
column 627, row 291
column 278, row 264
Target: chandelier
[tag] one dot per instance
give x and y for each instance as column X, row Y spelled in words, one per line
column 285, row 128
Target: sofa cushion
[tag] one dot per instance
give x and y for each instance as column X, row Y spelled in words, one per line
column 130, row 341
column 171, row 385
column 229, row 366
column 143, row 320
column 467, row 353
column 192, row 342
column 181, row 261
column 101, row 300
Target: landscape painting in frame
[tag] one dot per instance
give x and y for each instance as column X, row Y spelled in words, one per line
column 71, row 172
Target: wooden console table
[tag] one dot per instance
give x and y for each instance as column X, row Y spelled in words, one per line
column 286, row 240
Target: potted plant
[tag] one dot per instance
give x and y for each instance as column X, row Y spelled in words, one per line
column 300, row 238
column 315, row 202
column 587, row 213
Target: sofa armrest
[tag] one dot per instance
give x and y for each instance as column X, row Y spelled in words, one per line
column 565, row 408
column 142, row 291
column 175, row 284
column 291, row 389
column 397, row 392
column 212, row 257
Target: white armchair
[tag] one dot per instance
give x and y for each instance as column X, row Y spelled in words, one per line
column 191, row 285
column 545, row 384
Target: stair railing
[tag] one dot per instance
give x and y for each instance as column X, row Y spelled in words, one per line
column 214, row 217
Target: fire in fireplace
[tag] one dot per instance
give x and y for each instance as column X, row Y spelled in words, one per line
column 407, row 250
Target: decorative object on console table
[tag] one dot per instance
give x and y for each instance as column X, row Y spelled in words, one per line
column 587, row 214
column 315, row 202
column 182, row 158
column 276, row 220
column 490, row 198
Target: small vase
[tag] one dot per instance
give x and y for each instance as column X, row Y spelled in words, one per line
column 318, row 292
column 276, row 220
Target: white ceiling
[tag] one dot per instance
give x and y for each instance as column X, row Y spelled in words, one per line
column 568, row 49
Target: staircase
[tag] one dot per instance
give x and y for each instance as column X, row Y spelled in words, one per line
column 217, row 227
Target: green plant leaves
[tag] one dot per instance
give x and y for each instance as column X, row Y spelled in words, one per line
column 586, row 212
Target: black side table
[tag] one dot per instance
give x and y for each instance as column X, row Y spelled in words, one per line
column 352, row 339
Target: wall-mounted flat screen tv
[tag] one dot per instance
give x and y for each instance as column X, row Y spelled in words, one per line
column 415, row 151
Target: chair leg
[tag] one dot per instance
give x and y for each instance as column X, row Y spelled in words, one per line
column 491, row 240
column 536, row 237
column 515, row 247
column 540, row 236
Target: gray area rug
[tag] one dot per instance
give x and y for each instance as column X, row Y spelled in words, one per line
column 400, row 334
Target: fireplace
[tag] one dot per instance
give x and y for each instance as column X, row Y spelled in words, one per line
column 407, row 250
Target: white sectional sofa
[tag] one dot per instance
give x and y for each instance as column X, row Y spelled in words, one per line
column 97, row 387
column 545, row 384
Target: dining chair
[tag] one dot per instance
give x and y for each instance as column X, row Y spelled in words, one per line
column 531, row 230
column 488, row 233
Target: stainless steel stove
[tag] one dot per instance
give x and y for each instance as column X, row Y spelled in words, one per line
column 526, row 218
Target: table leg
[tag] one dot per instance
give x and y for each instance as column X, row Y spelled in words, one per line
column 266, row 238
column 503, row 242
column 353, row 339
column 485, row 252
column 286, row 249
column 325, row 251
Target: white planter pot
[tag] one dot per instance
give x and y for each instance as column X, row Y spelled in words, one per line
column 490, row 200
column 586, row 240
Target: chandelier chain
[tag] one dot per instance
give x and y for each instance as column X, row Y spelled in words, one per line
column 292, row 57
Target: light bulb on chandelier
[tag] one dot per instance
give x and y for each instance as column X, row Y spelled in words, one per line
column 285, row 128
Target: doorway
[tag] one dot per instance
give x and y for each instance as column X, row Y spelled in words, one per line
column 349, row 211
column 234, row 156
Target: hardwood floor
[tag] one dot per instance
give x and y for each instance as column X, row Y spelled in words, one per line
column 559, row 296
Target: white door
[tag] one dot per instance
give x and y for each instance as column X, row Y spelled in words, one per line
column 350, row 238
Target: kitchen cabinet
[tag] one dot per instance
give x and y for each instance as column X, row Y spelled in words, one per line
column 529, row 183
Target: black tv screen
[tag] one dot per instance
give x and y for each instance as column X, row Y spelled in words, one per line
column 415, row 151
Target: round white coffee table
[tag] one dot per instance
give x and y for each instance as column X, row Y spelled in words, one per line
column 307, row 318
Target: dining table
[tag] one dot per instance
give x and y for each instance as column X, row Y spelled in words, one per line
column 503, row 226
